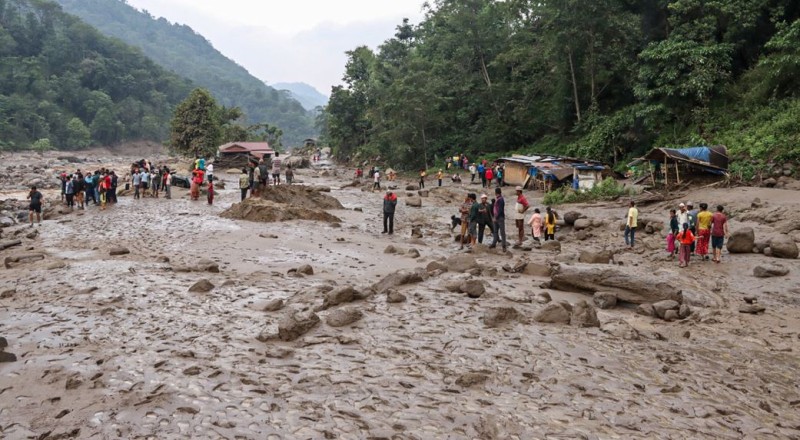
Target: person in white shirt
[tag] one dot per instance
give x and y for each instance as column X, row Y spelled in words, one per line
column 376, row 180
column 210, row 172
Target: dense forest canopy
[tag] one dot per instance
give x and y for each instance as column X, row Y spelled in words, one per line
column 180, row 49
column 605, row 79
column 63, row 82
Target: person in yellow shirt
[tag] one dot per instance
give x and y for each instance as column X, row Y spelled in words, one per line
column 422, row 175
column 703, row 231
column 630, row 225
column 550, row 218
column 439, row 176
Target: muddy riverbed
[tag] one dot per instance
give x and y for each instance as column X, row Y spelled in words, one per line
column 119, row 347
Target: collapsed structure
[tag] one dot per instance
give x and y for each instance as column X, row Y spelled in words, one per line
column 547, row 172
column 674, row 165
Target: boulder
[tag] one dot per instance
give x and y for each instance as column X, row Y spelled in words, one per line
column 605, row 300
column 393, row 297
column 496, row 316
column 416, row 231
column 543, row 298
column 412, row 188
column 423, row 193
column 414, row 202
column 571, row 217
column 118, row 250
column 399, row 278
column 295, row 324
column 753, row 309
column 582, row 223
column 536, row 269
column 553, row 313
column 206, row 265
column 661, row 307
column 461, row 263
column 305, row 269
column 412, row 253
column 769, row 270
column 584, row 315
column 202, row 286
column 273, row 305
column 684, row 312
column 591, row 257
column 343, row 316
column 742, row 241
column 670, row 315
column 391, row 249
column 473, row 288
column 551, row 245
column 339, row 296
column 628, row 283
column 433, row 266
column 646, row 310
column 784, row 246
column 621, row 329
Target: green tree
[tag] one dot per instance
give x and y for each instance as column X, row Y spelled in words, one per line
column 195, row 127
column 78, row 135
column 42, row 145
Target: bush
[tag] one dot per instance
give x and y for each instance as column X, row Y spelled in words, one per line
column 608, row 189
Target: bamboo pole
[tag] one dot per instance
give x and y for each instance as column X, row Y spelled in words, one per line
column 677, row 173
column 652, row 173
column 666, row 172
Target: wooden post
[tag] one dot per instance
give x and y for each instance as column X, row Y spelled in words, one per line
column 652, row 173
column 666, row 173
column 677, row 174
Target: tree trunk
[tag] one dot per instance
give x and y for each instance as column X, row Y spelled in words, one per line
column 574, row 86
column 629, row 284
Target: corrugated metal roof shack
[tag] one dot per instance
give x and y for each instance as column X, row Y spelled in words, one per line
column 673, row 165
column 516, row 169
column 547, row 172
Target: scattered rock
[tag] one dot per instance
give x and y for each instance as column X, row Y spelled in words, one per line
column 202, row 286
column 604, row 300
column 56, row 265
column 582, row 223
column 7, row 357
column 412, row 253
column 670, row 315
column 553, row 313
column 295, row 324
column 414, row 201
column 769, row 270
column 661, row 307
column 391, row 249
column 752, row 309
column 770, row 182
column 784, row 246
column 584, row 315
column 423, row 193
column 412, row 188
column 393, row 297
column 571, row 217
column 8, row 293
column 12, row 261
column 461, row 263
column 206, row 265
column 536, row 269
column 416, row 231
column 517, row 267
column 551, row 245
column 621, row 329
column 118, row 250
column 433, row 266
column 684, row 312
column 742, row 241
column 399, row 278
column 628, row 283
column 305, row 269
column 543, row 298
column 646, row 310
column 73, row 383
column 467, row 380
column 339, row 296
column 343, row 316
column 192, row 371
column 274, row 305
column 473, row 288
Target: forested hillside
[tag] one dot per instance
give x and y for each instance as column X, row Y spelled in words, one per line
column 605, row 79
column 180, row 49
column 63, row 85
column 306, row 95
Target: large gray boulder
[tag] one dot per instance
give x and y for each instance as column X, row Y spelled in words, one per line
column 294, row 325
column 553, row 313
column 461, row 263
column 627, row 283
column 784, row 246
column 742, row 241
column 584, row 315
column 769, row 270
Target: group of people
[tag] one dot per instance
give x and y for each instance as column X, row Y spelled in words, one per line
column 258, row 175
column 78, row 189
column 147, row 179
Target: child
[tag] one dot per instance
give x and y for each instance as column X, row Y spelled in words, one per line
column 687, row 239
column 673, row 234
column 439, row 176
column 536, row 225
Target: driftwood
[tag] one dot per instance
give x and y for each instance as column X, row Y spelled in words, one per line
column 7, row 244
column 11, row 261
column 628, row 284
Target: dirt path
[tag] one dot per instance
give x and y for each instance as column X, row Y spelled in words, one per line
column 117, row 347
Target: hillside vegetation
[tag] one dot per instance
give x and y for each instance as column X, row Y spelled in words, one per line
column 306, row 95
column 180, row 49
column 64, row 85
column 606, row 79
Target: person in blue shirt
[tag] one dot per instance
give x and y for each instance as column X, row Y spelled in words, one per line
column 481, row 171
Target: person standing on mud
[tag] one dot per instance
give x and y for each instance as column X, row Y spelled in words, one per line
column 210, row 172
column 499, row 216
column 244, row 183
column 632, row 221
column 289, row 175
column 276, row 169
column 704, row 218
column 473, row 220
column 167, row 183
column 422, row 175
column 252, row 178
column 464, row 212
column 686, row 238
column 263, row 171
column 550, row 218
column 36, row 205
column 472, row 170
column 719, row 232
column 484, row 217
column 69, row 192
column 79, row 188
column 389, row 206
column 536, row 225
column 376, row 178
column 489, row 175
column 692, row 222
column 145, row 179
column 481, row 174
column 439, row 176
column 520, row 209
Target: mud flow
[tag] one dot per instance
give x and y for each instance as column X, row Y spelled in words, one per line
column 292, row 316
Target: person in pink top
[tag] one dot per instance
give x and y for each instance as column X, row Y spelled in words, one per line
column 536, row 225
column 719, row 231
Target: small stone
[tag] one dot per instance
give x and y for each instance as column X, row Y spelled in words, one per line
column 206, row 265
column 8, row 293
column 646, row 310
column 73, row 383
column 685, row 311
column 339, row 296
column 752, row 309
column 551, row 245
column 467, row 380
column 412, row 253
column 7, row 357
column 390, row 250
column 543, row 298
column 294, row 325
column 584, row 315
column 118, row 250
column 661, row 307
column 306, row 269
column 473, row 288
column 433, row 266
column 344, row 316
column 192, row 371
column 496, row 316
column 604, row 300
column 393, row 297
column 202, row 286
column 671, row 315
column 3, row 343
column 553, row 313
column 55, row 265
column 750, row 299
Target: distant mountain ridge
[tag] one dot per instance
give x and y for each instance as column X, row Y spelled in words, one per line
column 305, row 94
column 180, row 49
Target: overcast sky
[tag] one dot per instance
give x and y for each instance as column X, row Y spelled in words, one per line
column 289, row 40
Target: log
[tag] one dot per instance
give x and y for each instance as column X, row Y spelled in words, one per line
column 630, row 284
column 22, row 259
column 8, row 244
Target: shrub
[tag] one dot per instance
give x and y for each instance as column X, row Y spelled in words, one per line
column 608, row 189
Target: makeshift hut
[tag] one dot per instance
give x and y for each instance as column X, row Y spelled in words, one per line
column 238, row 154
column 674, row 165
